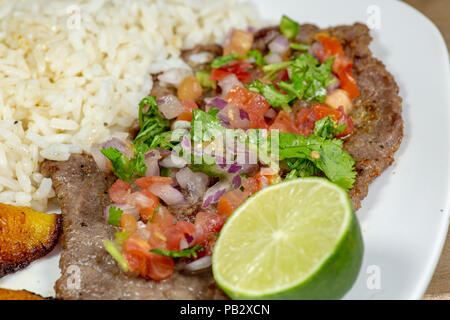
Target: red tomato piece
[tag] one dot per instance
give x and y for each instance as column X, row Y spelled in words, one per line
column 210, row 223
column 160, row 267
column 146, row 202
column 331, row 45
column 284, row 123
column 305, row 121
column 348, row 83
column 174, row 236
column 185, row 226
column 234, row 67
column 163, row 218
column 146, row 182
column 230, row 201
column 252, row 102
column 322, row 111
column 120, row 191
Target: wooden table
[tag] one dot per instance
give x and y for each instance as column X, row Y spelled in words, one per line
column 439, row 12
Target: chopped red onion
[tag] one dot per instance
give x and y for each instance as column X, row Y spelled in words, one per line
column 151, row 161
column 174, row 76
column 234, row 167
column 203, row 263
column 173, row 161
column 237, row 181
column 167, row 193
column 214, row 193
column 142, row 231
column 124, row 147
column 228, row 82
column 279, row 45
column 243, row 115
column 170, row 106
column 183, row 243
column 273, row 58
column 315, row 48
column 218, row 103
column 99, row 158
column 335, row 85
column 194, row 182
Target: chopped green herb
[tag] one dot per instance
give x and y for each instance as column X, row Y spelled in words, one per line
column 327, row 129
column 116, row 254
column 327, row 155
column 271, row 93
column 121, row 237
column 186, row 253
column 289, row 28
column 203, row 78
column 224, row 60
column 114, row 215
column 259, row 59
column 165, row 172
column 299, row 46
column 121, row 164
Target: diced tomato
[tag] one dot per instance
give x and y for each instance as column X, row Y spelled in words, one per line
column 174, row 236
column 160, row 267
column 240, row 42
column 189, row 105
column 331, row 45
column 146, row 182
column 185, row 226
column 252, row 102
column 146, row 202
column 234, row 67
column 230, row 201
column 305, row 121
column 348, row 122
column 189, row 89
column 156, row 239
column 284, row 123
column 210, row 223
column 163, row 218
column 149, row 265
column 120, row 191
column 128, row 223
column 341, row 63
column 322, row 111
column 348, row 83
column 259, row 181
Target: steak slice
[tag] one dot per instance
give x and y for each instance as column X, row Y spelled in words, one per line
column 82, row 190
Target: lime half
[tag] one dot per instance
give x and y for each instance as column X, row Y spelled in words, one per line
column 294, row 240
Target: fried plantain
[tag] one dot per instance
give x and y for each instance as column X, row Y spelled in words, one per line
column 25, row 235
column 7, row 294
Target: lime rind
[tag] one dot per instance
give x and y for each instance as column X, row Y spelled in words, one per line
column 343, row 261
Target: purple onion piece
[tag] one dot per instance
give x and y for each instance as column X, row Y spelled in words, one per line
column 217, row 103
column 234, row 167
column 237, row 181
column 243, row 115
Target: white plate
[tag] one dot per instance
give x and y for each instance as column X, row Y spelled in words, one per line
column 405, row 217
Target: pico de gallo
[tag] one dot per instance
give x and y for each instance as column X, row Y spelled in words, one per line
column 175, row 191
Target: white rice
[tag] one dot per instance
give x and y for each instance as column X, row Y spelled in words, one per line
column 73, row 72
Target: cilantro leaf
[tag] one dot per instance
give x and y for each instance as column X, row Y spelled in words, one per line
column 327, row 155
column 186, row 253
column 271, row 93
column 205, row 125
column 259, row 59
column 151, row 121
column 114, row 215
column 224, row 60
column 327, row 129
column 299, row 46
column 203, row 78
column 300, row 168
column 289, row 28
column 121, row 164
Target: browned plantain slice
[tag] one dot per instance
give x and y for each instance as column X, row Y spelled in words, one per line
column 6, row 294
column 25, row 235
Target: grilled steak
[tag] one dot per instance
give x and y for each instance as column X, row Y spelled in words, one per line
column 82, row 190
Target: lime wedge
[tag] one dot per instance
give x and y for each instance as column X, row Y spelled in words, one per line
column 294, row 240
